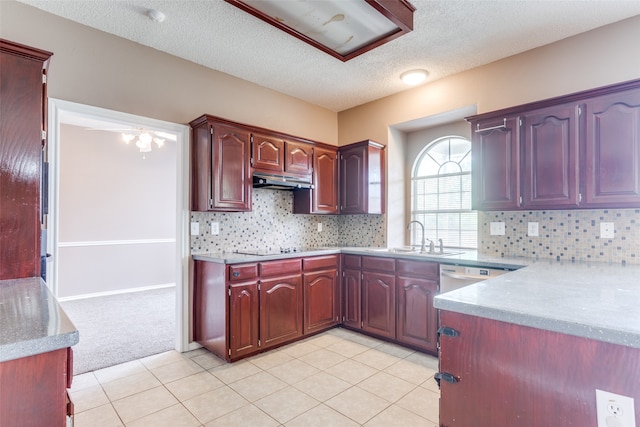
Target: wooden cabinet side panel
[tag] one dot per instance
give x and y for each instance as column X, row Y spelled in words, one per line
column 201, row 172
column 496, row 170
column 375, row 188
column 210, row 307
column 551, row 158
column 280, row 310
column 33, row 390
column 20, row 172
column 379, row 304
column 417, row 318
column 320, row 300
column 554, row 387
column 613, row 151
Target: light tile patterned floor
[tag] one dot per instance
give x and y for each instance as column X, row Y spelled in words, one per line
column 337, row 378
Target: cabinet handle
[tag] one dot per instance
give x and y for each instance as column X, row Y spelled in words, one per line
column 447, row 332
column 446, row 377
column 503, row 125
column 236, row 273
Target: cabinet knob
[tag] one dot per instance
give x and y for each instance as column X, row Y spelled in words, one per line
column 236, row 273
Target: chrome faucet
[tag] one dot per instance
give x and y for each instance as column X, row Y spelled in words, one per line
column 423, row 248
column 441, row 244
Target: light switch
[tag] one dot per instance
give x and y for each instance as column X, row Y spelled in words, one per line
column 195, row 228
column 606, row 230
column 215, row 228
column 532, row 229
column 497, row 229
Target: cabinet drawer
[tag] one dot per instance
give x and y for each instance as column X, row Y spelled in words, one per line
column 243, row 272
column 352, row 261
column 285, row 266
column 427, row 270
column 319, row 263
column 378, row 263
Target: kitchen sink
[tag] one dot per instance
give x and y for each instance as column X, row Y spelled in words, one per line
column 412, row 250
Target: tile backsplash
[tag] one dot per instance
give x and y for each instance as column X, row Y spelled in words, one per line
column 564, row 235
column 272, row 224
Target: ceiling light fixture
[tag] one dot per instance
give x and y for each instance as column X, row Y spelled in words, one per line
column 413, row 77
column 143, row 141
column 155, row 15
column 342, row 28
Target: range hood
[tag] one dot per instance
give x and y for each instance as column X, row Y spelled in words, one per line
column 280, row 182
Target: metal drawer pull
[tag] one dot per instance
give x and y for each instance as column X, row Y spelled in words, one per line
column 446, row 377
column 503, row 125
column 447, row 332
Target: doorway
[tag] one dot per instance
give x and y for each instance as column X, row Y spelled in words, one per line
column 64, row 117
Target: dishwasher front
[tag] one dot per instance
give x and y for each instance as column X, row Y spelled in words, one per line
column 456, row 276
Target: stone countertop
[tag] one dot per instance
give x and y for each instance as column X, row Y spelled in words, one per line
column 590, row 300
column 32, row 322
column 469, row 258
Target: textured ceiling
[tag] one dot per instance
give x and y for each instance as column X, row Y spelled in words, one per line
column 449, row 36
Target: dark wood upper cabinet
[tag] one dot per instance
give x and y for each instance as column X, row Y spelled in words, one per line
column 220, row 169
column 23, row 106
column 362, row 178
column 267, row 153
column 323, row 198
column 496, row 163
column 551, row 169
column 612, row 150
column 576, row 151
column 298, row 158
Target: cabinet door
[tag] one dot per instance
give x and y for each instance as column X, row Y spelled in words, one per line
column 298, row 158
column 267, row 153
column 551, row 175
column 379, row 304
column 323, row 198
column 353, row 180
column 280, row 310
column 321, row 300
column 612, row 146
column 351, row 298
column 243, row 319
column 231, row 176
column 496, row 170
column 417, row 320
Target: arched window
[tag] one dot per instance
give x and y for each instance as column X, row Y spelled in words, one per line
column 441, row 194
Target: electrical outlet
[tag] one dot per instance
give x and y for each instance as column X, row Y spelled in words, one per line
column 195, row 228
column 606, row 230
column 497, row 228
column 319, row 227
column 615, row 410
column 215, row 228
column 532, row 229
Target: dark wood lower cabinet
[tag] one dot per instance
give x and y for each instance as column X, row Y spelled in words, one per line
column 33, row 390
column 504, row 379
column 321, row 300
column 417, row 321
column 243, row 319
column 351, row 298
column 280, row 310
column 379, row 304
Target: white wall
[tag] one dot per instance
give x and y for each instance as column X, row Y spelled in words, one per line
column 117, row 219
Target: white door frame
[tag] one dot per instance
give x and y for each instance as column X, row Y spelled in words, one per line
column 58, row 111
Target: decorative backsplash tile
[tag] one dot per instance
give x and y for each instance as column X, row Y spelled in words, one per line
column 272, row 224
column 564, row 235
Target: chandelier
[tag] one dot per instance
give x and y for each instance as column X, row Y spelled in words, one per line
column 143, row 141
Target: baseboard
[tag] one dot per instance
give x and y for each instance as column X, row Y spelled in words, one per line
column 119, row 291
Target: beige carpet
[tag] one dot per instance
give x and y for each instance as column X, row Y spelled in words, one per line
column 118, row 328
